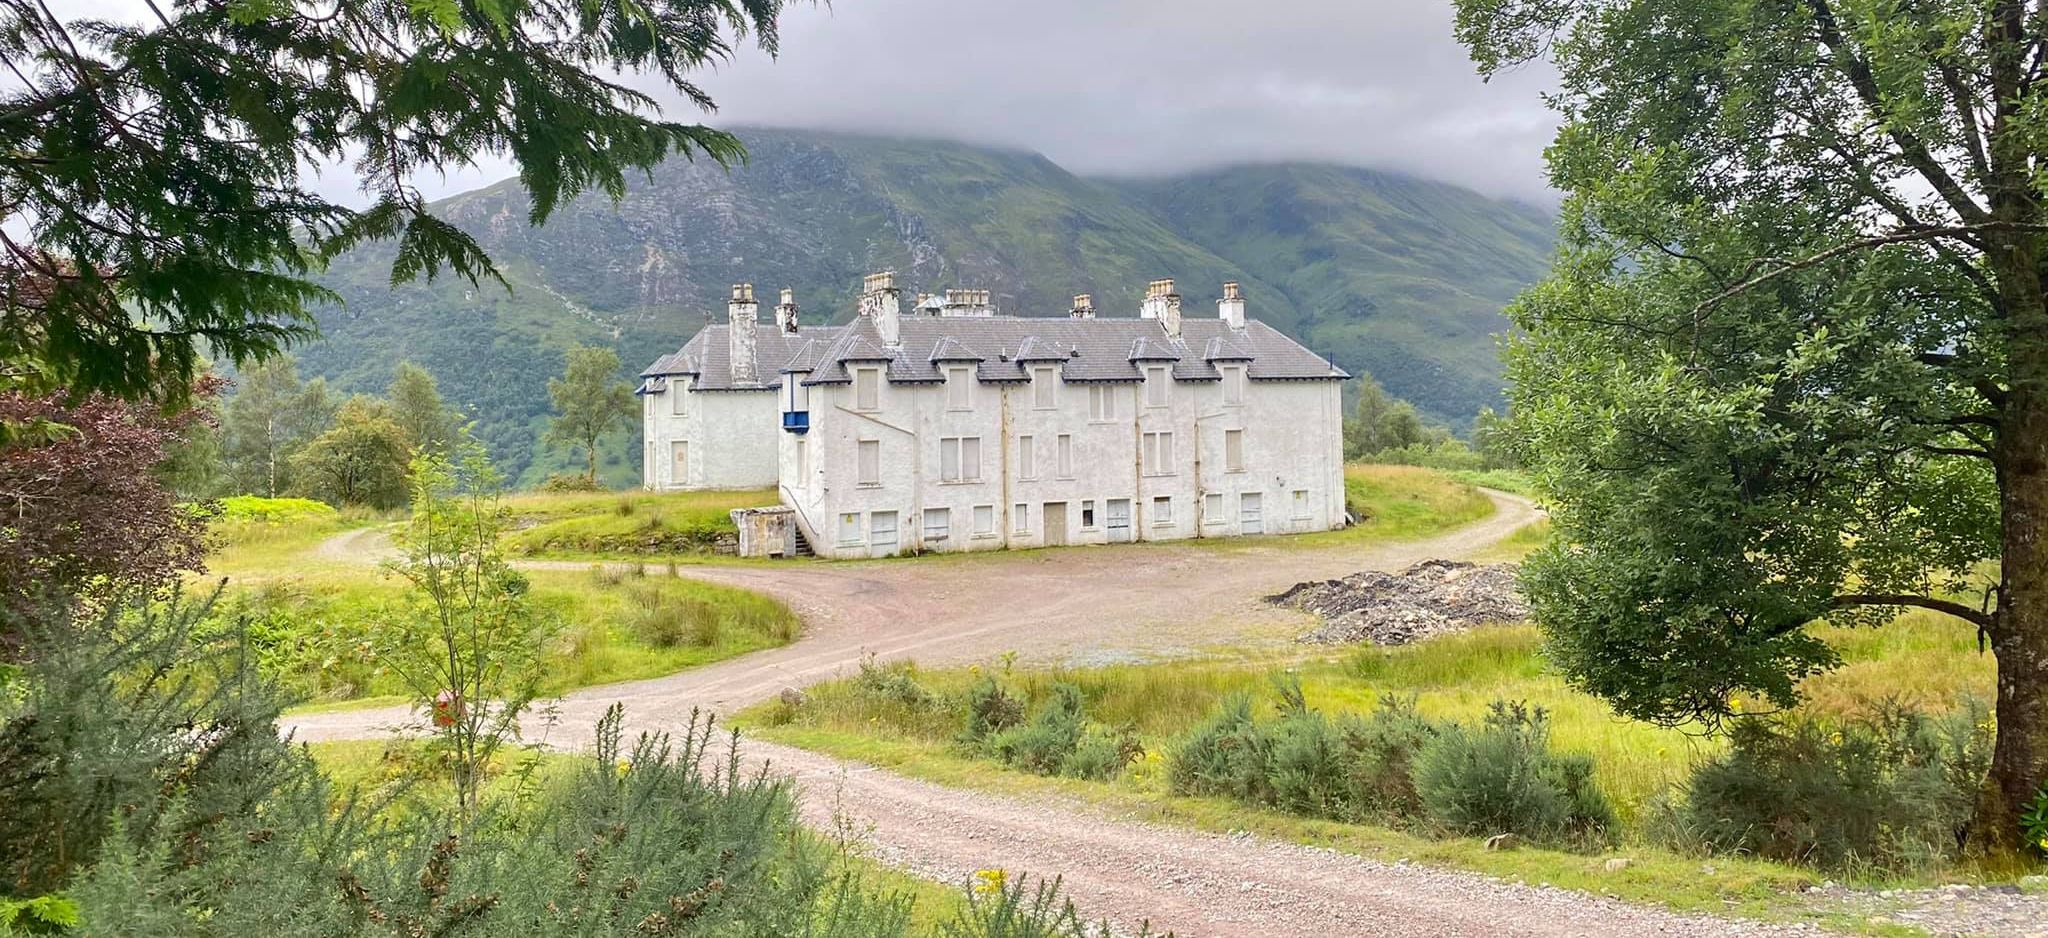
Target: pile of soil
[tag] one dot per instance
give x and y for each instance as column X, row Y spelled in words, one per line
column 1431, row 598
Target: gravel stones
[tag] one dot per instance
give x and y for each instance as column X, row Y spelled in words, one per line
column 1428, row 599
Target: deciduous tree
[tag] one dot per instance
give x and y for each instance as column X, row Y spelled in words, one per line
column 589, row 401
column 417, row 406
column 1792, row 361
column 361, row 460
column 268, row 420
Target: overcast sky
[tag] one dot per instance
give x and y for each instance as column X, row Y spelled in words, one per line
column 1132, row 86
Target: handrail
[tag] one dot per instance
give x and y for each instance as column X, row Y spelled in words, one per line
column 803, row 520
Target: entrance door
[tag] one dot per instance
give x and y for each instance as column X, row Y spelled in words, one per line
column 1056, row 524
column 882, row 534
column 1119, row 520
column 1250, row 518
column 679, row 464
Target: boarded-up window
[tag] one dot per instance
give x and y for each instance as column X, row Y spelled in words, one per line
column 1158, row 453
column 1020, row 518
column 871, row 462
column 1045, row 389
column 938, row 524
column 678, row 397
column 960, row 459
column 984, row 520
column 867, row 388
column 1027, row 458
column 1212, row 508
column 1301, row 512
column 1233, row 450
column 1102, row 401
column 1162, row 509
column 679, row 462
column 849, row 527
column 1155, row 386
column 959, row 389
column 1233, row 384
column 1065, row 465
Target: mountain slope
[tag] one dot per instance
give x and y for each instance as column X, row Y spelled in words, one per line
column 815, row 211
column 1401, row 277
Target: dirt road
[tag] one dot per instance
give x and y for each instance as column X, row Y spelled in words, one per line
column 1084, row 605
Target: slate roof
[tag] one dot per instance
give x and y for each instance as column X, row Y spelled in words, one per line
column 1086, row 350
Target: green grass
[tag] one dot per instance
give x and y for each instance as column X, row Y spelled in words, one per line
column 628, row 523
column 1393, row 503
column 1506, row 480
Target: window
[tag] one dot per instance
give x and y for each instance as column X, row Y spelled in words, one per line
column 959, row 388
column 1065, row 465
column 1301, row 512
column 867, row 388
column 678, row 398
column 1088, row 514
column 1162, row 509
column 849, row 527
column 1102, row 401
column 1045, row 389
column 1155, row 386
column 1158, row 454
column 938, row 523
column 1212, row 508
column 1233, row 384
column 1233, row 450
column 871, row 462
column 803, row 460
column 984, row 520
column 1020, row 518
column 960, row 459
column 679, row 462
column 1027, row 458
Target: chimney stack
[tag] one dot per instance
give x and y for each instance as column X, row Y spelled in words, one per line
column 879, row 301
column 968, row 303
column 1084, row 306
column 744, row 315
column 785, row 312
column 1163, row 304
column 1230, row 308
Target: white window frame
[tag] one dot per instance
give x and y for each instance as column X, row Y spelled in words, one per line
column 867, row 388
column 803, row 460
column 938, row 524
column 850, row 529
column 1027, row 457
column 1020, row 518
column 1233, row 384
column 868, row 463
column 1158, row 452
column 1158, row 390
column 678, row 397
column 1063, row 464
column 960, row 459
column 1212, row 508
column 1088, row 518
column 1102, row 402
column 959, row 388
column 984, row 521
column 1045, row 389
column 1233, row 450
column 1162, row 510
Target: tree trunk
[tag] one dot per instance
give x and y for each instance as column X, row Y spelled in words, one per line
column 590, row 460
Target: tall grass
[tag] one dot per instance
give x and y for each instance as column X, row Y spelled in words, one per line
column 644, row 523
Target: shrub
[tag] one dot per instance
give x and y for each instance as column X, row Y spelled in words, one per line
column 1004, row 908
column 894, row 683
column 1301, row 761
column 1221, row 755
column 1501, row 777
column 1892, row 791
column 1383, row 751
column 990, row 709
column 570, row 482
column 257, row 509
column 1101, row 753
column 1043, row 744
column 662, row 619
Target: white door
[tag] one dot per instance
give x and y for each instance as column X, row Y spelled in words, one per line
column 882, row 534
column 1250, row 519
column 1119, row 520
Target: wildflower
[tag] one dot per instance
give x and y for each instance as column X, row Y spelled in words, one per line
column 988, row 882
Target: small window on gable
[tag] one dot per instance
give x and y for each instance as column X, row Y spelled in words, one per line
column 1162, row 509
column 1156, row 386
column 1020, row 518
column 938, row 524
column 1045, row 388
column 959, row 388
column 1233, row 450
column 1027, row 458
column 984, row 520
column 870, row 462
column 1102, row 401
column 678, row 397
column 867, row 388
column 1233, row 384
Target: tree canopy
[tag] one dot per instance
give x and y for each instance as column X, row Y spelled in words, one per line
column 1792, row 360
column 154, row 180
column 589, row 401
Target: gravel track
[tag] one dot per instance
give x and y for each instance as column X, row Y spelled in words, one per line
column 1133, row 602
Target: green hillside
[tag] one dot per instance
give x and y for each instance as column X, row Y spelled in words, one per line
column 1400, row 276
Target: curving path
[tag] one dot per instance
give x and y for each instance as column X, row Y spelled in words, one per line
column 1081, row 605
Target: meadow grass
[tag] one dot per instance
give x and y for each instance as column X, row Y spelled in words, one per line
column 1392, row 503
column 634, row 523
column 1506, row 480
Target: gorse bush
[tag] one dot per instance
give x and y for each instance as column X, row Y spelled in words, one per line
column 990, row 709
column 1060, row 740
column 1892, row 791
column 1501, row 777
column 1006, row 908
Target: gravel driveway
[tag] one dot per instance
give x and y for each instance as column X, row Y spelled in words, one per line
column 1080, row 605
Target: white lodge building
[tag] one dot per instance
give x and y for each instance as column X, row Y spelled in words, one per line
column 948, row 427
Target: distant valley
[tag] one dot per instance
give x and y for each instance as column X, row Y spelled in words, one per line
column 1398, row 276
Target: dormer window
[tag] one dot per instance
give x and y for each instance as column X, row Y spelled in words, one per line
column 867, row 388
column 959, row 388
column 1045, row 389
column 679, row 397
column 1156, row 386
column 1233, row 384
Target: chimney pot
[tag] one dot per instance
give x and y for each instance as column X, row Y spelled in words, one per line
column 1230, row 308
column 785, row 312
column 879, row 302
column 1084, row 306
column 742, row 314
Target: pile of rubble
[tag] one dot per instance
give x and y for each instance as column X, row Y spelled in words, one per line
column 1431, row 598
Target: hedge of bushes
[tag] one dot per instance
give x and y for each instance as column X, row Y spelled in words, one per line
column 1058, row 738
